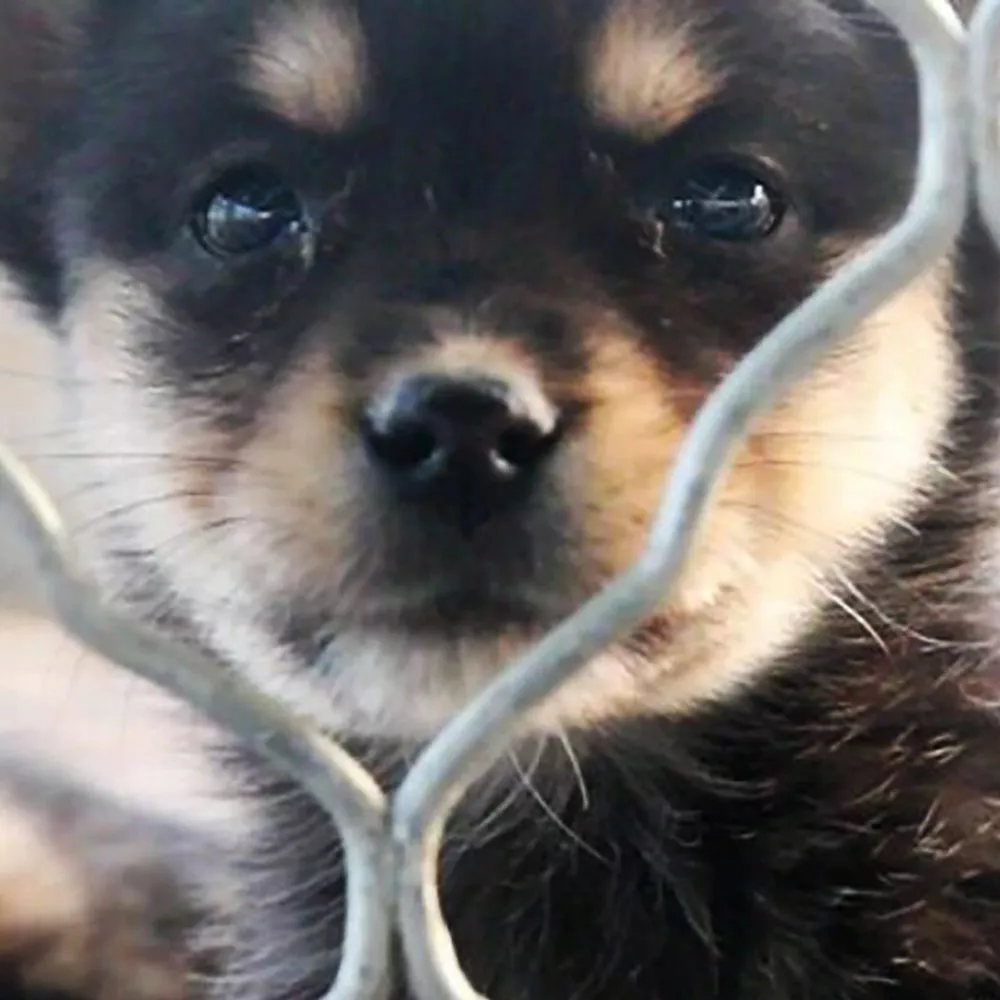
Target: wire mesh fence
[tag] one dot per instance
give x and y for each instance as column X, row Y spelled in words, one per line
column 392, row 845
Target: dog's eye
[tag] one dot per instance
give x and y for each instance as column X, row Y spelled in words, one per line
column 247, row 210
column 726, row 202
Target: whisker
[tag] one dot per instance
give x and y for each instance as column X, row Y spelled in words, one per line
column 779, row 520
column 525, row 778
column 845, row 606
column 893, row 623
column 806, row 464
column 139, row 456
column 59, row 379
column 821, row 434
column 120, row 510
column 564, row 741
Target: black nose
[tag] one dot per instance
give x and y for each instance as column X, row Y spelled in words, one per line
column 460, row 438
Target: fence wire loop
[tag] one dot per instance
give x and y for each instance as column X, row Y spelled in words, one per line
column 392, row 846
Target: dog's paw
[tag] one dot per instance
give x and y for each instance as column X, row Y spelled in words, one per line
column 96, row 902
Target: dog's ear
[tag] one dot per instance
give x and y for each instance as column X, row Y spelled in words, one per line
column 38, row 43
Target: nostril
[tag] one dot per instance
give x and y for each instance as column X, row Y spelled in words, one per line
column 405, row 445
column 523, row 443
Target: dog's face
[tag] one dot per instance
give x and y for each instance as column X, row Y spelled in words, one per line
column 388, row 318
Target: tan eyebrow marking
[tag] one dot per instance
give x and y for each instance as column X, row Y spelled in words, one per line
column 645, row 74
column 309, row 64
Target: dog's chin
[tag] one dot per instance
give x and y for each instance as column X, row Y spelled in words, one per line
column 404, row 674
column 402, row 669
column 469, row 613
column 478, row 607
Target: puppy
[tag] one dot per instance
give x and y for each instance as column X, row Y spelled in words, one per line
column 385, row 321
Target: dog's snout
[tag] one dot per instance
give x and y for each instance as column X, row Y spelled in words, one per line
column 460, row 437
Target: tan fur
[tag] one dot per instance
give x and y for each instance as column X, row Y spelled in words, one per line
column 463, row 352
column 309, row 65
column 302, row 503
column 457, row 350
column 634, row 428
column 646, row 74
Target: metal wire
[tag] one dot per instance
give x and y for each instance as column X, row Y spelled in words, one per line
column 344, row 789
column 392, row 848
column 984, row 74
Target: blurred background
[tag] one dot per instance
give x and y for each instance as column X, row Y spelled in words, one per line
column 56, row 698
column 28, row 421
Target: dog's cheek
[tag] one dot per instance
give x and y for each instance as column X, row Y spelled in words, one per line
column 297, row 479
column 638, row 417
column 853, row 446
column 147, row 462
column 823, row 476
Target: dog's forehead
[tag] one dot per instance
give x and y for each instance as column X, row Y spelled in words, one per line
column 642, row 66
column 489, row 103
